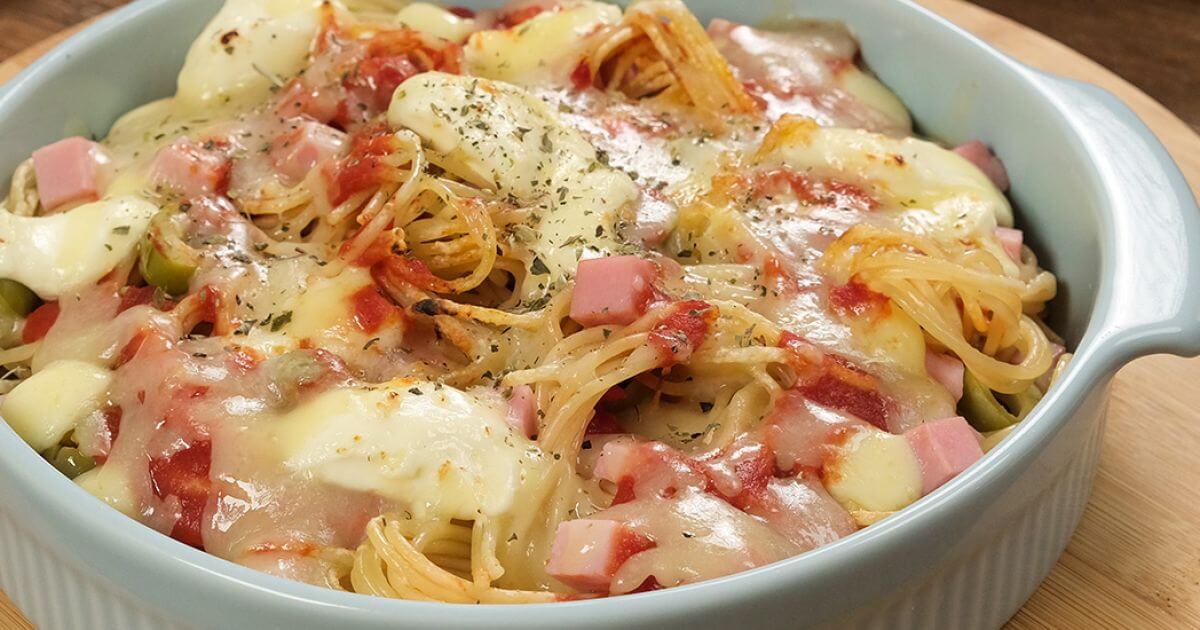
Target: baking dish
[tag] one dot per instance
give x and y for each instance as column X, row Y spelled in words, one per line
column 1106, row 210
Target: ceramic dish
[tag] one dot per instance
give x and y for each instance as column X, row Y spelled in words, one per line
column 1105, row 208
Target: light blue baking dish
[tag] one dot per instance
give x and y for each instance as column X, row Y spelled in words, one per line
column 1101, row 201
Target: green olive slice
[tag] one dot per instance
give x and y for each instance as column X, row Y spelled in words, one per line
column 16, row 298
column 165, row 260
column 980, row 407
column 69, row 461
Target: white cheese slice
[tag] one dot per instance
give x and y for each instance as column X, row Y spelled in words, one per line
column 940, row 189
column 108, row 483
column 444, row 452
column 43, row 408
column 891, row 337
column 61, row 253
column 875, row 94
column 248, row 47
column 308, row 310
column 324, row 311
column 499, row 136
column 874, row 471
column 544, row 49
column 436, row 21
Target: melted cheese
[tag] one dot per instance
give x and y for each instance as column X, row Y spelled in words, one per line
column 503, row 138
column 43, row 408
column 875, row 95
column 62, row 253
column 136, row 137
column 874, row 471
column 698, row 536
column 444, row 452
column 248, row 47
column 322, row 312
column 436, row 21
column 543, row 49
column 938, row 188
column 109, row 484
column 891, row 337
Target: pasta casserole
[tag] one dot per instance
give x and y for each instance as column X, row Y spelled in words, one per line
column 549, row 301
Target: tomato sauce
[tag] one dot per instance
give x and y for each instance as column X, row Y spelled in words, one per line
column 184, row 475
column 855, row 298
column 39, row 322
column 371, row 309
column 678, row 335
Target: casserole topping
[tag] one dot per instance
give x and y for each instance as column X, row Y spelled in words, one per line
column 548, row 301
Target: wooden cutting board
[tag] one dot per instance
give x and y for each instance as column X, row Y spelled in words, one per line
column 1134, row 562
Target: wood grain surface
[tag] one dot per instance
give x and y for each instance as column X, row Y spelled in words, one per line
column 1134, row 561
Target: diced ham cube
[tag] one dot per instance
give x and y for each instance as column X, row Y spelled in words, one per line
column 654, row 218
column 982, row 157
column 191, row 169
column 310, row 143
column 947, row 370
column 522, row 411
column 301, row 99
column 69, row 172
column 613, row 290
column 587, row 553
column 617, row 460
column 648, row 469
column 1011, row 240
column 943, row 448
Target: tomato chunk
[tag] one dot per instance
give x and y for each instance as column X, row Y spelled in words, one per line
column 39, row 322
column 834, row 382
column 678, row 336
column 363, row 168
column 854, row 298
column 371, row 309
column 184, row 475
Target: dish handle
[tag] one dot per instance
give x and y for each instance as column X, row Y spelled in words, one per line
column 1154, row 302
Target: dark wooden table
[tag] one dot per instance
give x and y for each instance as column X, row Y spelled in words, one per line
column 1154, row 44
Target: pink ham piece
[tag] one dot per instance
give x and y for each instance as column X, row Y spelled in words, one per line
column 617, row 459
column 655, row 217
column 943, row 448
column 1011, row 240
column 647, row 469
column 587, row 553
column 946, row 370
column 613, row 290
column 522, row 411
column 296, row 152
column 191, row 169
column 982, row 157
column 301, row 99
column 68, row 172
